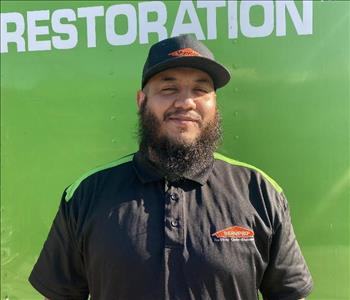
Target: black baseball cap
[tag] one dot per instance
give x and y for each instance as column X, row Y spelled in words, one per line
column 184, row 51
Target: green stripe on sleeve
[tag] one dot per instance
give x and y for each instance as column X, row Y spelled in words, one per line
column 71, row 189
column 238, row 163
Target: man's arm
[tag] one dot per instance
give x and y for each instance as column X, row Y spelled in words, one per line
column 59, row 268
column 287, row 272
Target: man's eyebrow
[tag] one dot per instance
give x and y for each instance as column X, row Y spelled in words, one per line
column 168, row 78
column 199, row 80
column 203, row 80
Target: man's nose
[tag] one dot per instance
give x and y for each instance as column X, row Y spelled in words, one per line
column 186, row 101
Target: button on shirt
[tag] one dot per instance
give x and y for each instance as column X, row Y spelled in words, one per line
column 125, row 232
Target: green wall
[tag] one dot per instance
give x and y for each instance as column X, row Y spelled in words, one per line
column 286, row 110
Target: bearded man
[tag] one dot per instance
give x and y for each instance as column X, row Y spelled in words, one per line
column 174, row 220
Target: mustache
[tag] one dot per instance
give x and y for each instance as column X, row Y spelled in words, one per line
column 180, row 113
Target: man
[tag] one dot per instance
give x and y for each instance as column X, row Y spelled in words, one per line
column 175, row 220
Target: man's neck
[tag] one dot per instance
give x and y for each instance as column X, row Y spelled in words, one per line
column 176, row 168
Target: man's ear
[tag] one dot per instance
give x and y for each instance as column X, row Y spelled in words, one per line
column 140, row 98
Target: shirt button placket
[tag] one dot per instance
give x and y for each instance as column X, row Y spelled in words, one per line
column 173, row 218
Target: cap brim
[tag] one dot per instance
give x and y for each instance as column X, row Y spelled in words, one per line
column 219, row 74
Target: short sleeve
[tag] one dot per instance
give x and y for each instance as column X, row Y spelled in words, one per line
column 287, row 276
column 59, row 271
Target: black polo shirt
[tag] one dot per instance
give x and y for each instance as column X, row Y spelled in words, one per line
column 124, row 232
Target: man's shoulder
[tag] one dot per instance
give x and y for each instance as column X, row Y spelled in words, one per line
column 245, row 169
column 115, row 167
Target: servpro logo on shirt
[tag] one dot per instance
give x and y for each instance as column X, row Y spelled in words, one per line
column 233, row 233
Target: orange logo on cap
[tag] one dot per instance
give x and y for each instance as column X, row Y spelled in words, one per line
column 185, row 52
column 236, row 232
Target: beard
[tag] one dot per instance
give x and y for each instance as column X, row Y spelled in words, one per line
column 176, row 158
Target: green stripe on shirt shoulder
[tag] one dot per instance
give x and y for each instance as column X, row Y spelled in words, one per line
column 242, row 164
column 71, row 189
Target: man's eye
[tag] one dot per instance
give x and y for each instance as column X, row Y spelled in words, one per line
column 169, row 90
column 201, row 90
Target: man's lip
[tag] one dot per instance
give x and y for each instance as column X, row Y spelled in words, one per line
column 183, row 118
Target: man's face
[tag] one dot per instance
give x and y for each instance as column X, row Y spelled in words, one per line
column 183, row 100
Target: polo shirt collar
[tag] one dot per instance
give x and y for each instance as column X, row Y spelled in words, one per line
column 148, row 172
